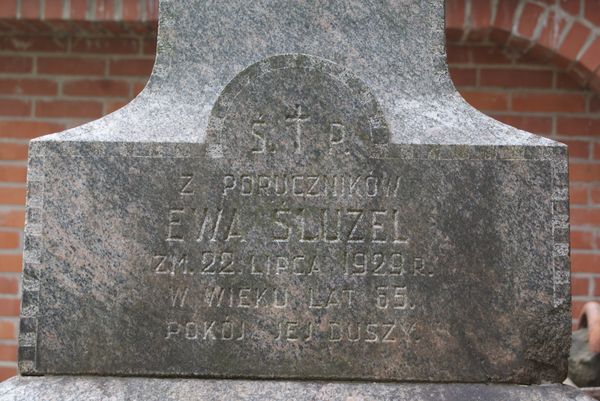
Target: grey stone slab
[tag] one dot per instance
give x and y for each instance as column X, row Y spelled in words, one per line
column 143, row 389
column 333, row 212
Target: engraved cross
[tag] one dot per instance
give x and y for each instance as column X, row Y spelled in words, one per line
column 297, row 117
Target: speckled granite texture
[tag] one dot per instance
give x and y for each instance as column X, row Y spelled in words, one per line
column 142, row 389
column 298, row 193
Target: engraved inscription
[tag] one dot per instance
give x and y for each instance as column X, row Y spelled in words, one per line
column 296, row 119
column 290, row 241
column 211, row 241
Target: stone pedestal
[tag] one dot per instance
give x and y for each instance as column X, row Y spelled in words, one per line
column 66, row 388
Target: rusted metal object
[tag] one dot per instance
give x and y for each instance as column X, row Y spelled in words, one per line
column 590, row 319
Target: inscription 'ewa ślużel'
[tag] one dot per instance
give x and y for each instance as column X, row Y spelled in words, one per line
column 319, row 258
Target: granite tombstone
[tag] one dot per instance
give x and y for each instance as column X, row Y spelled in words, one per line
column 299, row 193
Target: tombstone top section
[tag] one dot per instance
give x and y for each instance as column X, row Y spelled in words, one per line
column 396, row 47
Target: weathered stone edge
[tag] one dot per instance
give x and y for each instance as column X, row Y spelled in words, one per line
column 561, row 266
column 32, row 260
column 389, row 151
column 73, row 388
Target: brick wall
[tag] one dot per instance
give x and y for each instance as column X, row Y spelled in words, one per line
column 71, row 61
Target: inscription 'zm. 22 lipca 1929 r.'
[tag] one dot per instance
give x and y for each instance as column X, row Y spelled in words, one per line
column 298, row 241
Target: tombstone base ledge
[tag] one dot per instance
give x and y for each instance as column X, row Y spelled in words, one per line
column 79, row 388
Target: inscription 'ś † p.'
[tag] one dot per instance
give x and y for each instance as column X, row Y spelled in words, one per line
column 282, row 114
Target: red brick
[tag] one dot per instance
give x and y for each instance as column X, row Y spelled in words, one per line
column 566, row 81
column 13, row 151
column 481, row 14
column 10, row 263
column 12, row 195
column 580, row 286
column 582, row 239
column 105, row 9
column 499, row 35
column 8, row 353
column 573, row 7
column 7, row 372
column 594, row 82
column 33, row 43
column 10, row 173
column 138, row 87
column 133, row 67
column 150, row 46
column 515, row 78
column 576, row 308
column 114, row 106
column 14, row 107
column 104, row 87
column 585, row 217
column 36, row 43
column 68, row 108
column 9, row 240
column 578, row 195
column 596, row 151
column 530, row 58
column 16, row 64
column 8, row 9
column 152, row 10
column 537, row 53
column 487, row 101
column 591, row 58
column 577, row 126
column 505, row 13
column 458, row 54
column 596, row 287
column 595, row 195
column 53, row 10
column 585, row 262
column 552, row 31
column 30, row 9
column 10, row 307
column 107, row 45
column 489, row 55
column 8, row 330
column 548, row 102
column 78, row 9
column 9, row 285
column 578, row 149
column 131, row 10
column 592, row 11
column 463, row 76
column 27, row 129
column 575, row 39
column 595, row 104
column 12, row 218
column 537, row 125
column 585, row 172
column 70, row 66
column 529, row 19
column 28, row 87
